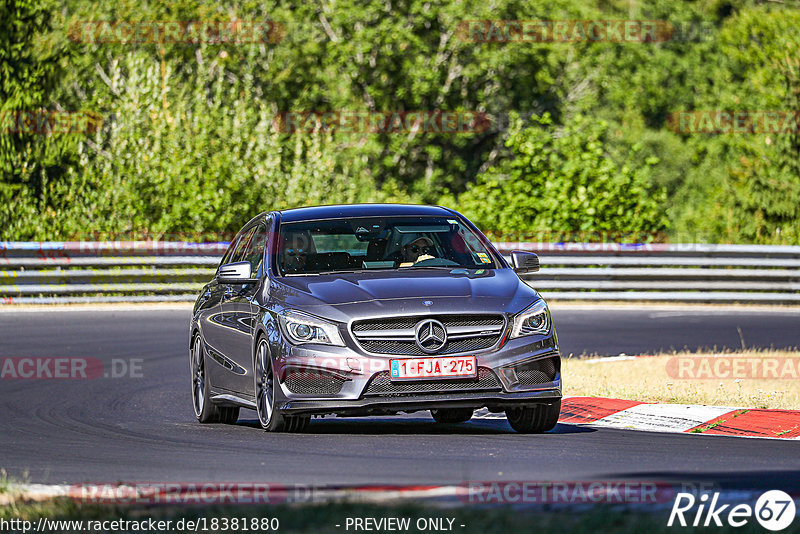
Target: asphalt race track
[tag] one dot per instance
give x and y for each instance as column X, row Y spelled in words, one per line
column 142, row 429
column 592, row 330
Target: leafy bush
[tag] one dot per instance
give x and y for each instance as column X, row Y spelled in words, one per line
column 562, row 181
column 200, row 157
column 181, row 157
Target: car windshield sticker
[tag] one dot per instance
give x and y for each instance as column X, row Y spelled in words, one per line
column 484, row 257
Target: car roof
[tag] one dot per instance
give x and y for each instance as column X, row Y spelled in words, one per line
column 361, row 210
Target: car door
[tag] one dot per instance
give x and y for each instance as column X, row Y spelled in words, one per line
column 222, row 329
column 258, row 259
column 210, row 317
column 239, row 315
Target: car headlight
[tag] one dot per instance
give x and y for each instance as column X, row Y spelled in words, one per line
column 533, row 320
column 302, row 328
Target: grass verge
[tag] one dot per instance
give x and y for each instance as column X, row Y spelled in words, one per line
column 743, row 379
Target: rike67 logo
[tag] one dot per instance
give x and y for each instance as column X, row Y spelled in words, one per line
column 774, row 510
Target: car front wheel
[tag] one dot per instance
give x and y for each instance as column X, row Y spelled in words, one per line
column 534, row 419
column 270, row 418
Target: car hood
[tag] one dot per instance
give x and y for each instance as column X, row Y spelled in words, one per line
column 345, row 295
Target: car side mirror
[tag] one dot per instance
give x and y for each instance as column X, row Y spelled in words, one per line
column 237, row 272
column 524, row 262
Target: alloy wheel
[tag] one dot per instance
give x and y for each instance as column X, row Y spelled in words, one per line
column 198, row 377
column 265, row 385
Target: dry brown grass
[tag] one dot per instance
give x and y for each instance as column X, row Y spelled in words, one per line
column 649, row 379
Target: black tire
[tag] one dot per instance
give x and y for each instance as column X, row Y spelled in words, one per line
column 534, row 419
column 452, row 415
column 270, row 418
column 204, row 409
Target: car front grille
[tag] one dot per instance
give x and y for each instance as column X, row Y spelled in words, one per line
column 538, row 372
column 312, row 382
column 396, row 335
column 382, row 384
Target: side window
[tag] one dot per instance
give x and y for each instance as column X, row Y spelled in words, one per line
column 241, row 246
column 229, row 253
column 339, row 243
column 255, row 250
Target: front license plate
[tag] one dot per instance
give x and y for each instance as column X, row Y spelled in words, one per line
column 454, row 367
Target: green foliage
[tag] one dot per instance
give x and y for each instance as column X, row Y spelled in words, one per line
column 179, row 158
column 187, row 143
column 561, row 180
column 746, row 187
column 29, row 70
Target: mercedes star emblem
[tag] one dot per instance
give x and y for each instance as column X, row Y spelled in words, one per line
column 430, row 335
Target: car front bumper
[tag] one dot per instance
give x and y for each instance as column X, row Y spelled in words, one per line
column 358, row 374
column 495, row 401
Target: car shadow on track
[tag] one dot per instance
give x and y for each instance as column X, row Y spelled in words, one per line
column 413, row 425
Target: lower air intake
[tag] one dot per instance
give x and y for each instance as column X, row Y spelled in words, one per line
column 538, row 372
column 312, row 382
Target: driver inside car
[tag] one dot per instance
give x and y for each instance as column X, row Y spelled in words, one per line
column 295, row 252
column 415, row 249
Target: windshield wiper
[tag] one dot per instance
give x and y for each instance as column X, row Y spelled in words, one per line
column 450, row 268
column 342, row 271
column 411, row 267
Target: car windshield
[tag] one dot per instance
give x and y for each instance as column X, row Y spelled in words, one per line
column 356, row 244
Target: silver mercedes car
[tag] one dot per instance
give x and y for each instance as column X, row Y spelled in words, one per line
column 372, row 309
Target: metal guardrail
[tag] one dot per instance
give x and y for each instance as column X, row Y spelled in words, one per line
column 145, row 271
column 115, row 271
